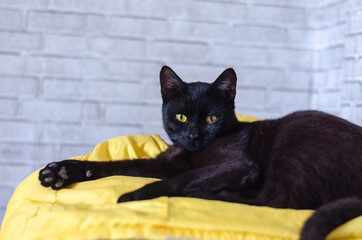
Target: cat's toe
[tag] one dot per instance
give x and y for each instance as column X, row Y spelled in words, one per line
column 58, row 184
column 53, row 175
column 63, row 173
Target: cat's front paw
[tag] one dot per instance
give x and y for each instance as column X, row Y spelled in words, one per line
column 60, row 174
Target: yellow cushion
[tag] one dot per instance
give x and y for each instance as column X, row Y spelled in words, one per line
column 88, row 210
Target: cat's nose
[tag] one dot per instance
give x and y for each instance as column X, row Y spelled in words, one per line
column 193, row 136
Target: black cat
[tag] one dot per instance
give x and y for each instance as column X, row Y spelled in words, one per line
column 304, row 160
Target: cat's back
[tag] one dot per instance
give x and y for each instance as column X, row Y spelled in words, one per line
column 315, row 120
column 319, row 129
column 314, row 154
column 315, row 132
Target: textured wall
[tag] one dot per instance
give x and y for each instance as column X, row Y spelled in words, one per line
column 351, row 87
column 75, row 73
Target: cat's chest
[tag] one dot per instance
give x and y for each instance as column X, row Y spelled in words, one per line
column 220, row 151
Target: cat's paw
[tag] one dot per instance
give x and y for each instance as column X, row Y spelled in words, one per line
column 60, row 174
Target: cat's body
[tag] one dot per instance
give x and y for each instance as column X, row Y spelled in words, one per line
column 303, row 161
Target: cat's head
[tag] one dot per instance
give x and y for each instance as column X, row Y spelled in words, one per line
column 194, row 114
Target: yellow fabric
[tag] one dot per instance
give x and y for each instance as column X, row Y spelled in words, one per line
column 88, row 210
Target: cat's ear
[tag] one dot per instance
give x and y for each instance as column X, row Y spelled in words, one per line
column 226, row 84
column 171, row 84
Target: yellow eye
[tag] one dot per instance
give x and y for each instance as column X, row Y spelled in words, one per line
column 181, row 118
column 211, row 119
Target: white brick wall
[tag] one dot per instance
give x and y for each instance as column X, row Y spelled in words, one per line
column 75, row 73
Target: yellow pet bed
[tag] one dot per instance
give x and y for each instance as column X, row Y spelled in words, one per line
column 88, row 210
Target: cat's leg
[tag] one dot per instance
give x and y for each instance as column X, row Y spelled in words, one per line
column 60, row 174
column 232, row 175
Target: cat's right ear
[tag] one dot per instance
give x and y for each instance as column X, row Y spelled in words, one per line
column 171, row 84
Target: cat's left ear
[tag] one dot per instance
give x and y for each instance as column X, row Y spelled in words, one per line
column 226, row 84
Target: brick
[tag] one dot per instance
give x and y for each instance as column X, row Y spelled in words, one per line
column 65, row 44
column 53, row 66
column 135, row 114
column 21, row 152
column 10, row 86
column 94, row 6
column 131, row 69
column 319, row 79
column 351, row 91
column 249, row 97
column 19, row 41
column 336, row 34
column 286, row 3
column 350, row 46
column 346, row 111
column 157, row 129
column 120, row 91
column 327, row 79
column 261, row 77
column 199, row 31
column 151, row 93
column 163, row 8
column 298, row 79
column 355, row 21
column 354, row 4
column 181, row 51
column 276, row 15
column 126, row 48
column 349, row 68
column 332, row 57
column 69, row 151
column 11, row 19
column 14, row 173
column 334, row 77
column 24, row 3
column 217, row 12
column 96, row 24
column 91, row 111
column 298, row 59
column 63, row 89
column 324, row 14
column 64, row 67
column 329, row 100
column 92, row 67
column 357, row 44
column 238, row 55
column 51, row 110
column 288, row 101
column 8, row 107
column 310, row 38
column 5, row 194
column 85, row 134
column 11, row 64
column 357, row 115
column 125, row 26
column 259, row 34
column 18, row 131
column 358, row 68
column 56, row 22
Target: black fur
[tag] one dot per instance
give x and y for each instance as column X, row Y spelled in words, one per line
column 305, row 160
